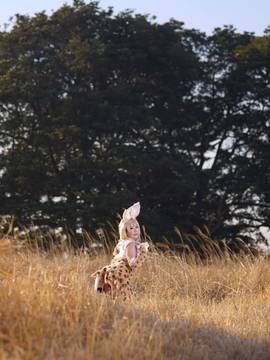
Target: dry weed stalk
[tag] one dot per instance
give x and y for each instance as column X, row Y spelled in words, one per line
column 183, row 308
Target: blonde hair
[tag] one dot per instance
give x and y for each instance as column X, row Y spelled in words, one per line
column 123, row 228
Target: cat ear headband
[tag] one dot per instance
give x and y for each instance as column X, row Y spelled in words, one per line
column 132, row 212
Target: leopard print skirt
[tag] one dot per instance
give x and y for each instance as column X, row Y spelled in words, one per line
column 114, row 279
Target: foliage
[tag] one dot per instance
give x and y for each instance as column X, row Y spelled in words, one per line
column 99, row 110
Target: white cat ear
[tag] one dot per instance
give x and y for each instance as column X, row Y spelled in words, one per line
column 125, row 215
column 132, row 212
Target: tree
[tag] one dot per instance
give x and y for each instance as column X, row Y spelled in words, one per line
column 80, row 105
column 101, row 110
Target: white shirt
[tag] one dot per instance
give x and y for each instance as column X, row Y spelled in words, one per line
column 122, row 245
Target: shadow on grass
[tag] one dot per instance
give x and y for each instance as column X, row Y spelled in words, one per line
column 180, row 339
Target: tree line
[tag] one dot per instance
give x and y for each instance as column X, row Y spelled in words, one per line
column 99, row 110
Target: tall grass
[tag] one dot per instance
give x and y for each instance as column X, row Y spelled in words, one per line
column 184, row 307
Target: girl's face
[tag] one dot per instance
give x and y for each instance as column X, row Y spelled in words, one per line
column 133, row 230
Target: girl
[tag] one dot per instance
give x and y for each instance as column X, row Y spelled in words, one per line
column 129, row 245
column 114, row 279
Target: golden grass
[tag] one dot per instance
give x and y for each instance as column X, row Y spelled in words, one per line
column 181, row 310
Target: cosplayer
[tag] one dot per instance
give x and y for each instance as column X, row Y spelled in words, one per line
column 129, row 253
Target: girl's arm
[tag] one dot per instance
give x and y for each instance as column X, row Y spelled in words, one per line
column 131, row 252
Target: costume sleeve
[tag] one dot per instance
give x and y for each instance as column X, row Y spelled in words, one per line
column 125, row 243
column 121, row 248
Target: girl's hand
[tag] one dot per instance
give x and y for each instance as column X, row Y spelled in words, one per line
column 145, row 245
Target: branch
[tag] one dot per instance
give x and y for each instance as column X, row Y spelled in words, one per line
column 239, row 204
column 219, row 149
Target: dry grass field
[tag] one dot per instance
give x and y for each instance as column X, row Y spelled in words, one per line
column 182, row 309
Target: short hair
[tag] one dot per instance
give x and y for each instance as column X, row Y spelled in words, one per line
column 123, row 228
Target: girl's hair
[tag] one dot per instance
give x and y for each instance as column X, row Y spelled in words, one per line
column 123, row 228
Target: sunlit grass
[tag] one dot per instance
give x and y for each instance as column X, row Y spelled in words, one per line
column 183, row 308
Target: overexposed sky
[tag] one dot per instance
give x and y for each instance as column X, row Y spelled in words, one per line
column 245, row 15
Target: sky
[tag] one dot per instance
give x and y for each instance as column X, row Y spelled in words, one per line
column 205, row 15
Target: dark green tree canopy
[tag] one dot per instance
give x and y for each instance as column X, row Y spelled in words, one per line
column 99, row 110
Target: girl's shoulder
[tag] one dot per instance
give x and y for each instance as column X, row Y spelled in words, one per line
column 124, row 242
